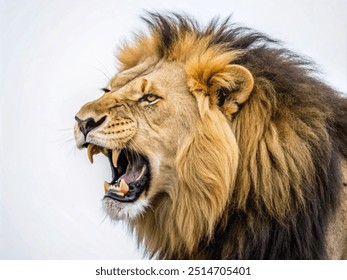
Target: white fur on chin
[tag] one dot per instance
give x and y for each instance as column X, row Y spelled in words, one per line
column 124, row 210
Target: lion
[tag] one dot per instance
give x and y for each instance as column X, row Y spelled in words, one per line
column 222, row 145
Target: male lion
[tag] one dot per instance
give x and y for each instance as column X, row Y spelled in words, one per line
column 222, row 145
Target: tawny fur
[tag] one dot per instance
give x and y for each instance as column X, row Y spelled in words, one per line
column 256, row 172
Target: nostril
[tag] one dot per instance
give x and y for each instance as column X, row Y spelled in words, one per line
column 77, row 119
column 89, row 124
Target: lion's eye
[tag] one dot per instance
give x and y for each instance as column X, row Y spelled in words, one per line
column 149, row 98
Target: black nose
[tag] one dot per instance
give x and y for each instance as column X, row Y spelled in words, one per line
column 89, row 124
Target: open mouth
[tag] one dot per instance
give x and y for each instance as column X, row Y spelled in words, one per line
column 130, row 172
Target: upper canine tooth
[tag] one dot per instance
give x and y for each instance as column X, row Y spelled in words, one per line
column 115, row 155
column 92, row 150
column 123, row 187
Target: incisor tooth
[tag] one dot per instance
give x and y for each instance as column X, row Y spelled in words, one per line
column 115, row 155
column 123, row 187
column 106, row 186
column 104, row 151
column 120, row 194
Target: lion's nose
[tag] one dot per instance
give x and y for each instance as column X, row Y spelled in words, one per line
column 89, row 124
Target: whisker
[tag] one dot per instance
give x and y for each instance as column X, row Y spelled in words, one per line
column 137, row 155
column 103, row 219
column 106, row 70
column 107, row 75
column 65, row 129
column 127, row 154
column 64, row 139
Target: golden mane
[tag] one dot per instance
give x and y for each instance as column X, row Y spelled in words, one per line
column 283, row 140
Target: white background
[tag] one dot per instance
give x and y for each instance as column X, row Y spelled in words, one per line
column 55, row 56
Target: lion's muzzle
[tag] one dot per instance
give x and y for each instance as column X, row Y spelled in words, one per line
column 130, row 170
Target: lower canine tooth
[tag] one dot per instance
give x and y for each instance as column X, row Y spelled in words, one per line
column 123, row 187
column 106, row 186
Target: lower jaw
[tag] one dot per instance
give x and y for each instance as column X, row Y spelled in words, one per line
column 128, row 198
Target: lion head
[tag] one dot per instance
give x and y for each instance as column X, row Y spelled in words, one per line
column 205, row 145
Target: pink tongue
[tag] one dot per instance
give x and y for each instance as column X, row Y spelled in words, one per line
column 132, row 173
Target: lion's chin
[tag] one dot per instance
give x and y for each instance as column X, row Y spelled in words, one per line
column 117, row 210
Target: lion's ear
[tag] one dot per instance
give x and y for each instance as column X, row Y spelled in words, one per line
column 241, row 84
column 226, row 86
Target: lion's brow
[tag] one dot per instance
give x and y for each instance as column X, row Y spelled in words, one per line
column 126, row 76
